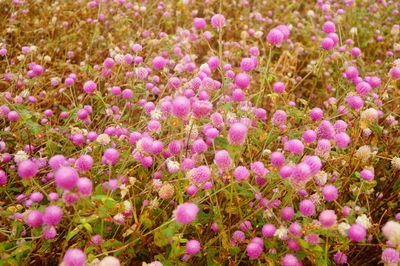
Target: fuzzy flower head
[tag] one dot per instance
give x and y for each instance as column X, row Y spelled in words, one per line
column 186, row 213
column 218, row 21
column 200, row 174
column 237, row 134
column 223, row 160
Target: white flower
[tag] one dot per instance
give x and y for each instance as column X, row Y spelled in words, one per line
column 119, row 218
column 353, row 31
column 156, row 114
column 127, row 206
column 119, row 58
column 396, row 163
column 363, row 220
column 310, row 13
column 20, row 156
column 391, row 230
column 343, row 228
column 320, row 178
column 281, row 232
column 173, row 166
column 363, row 153
column 103, row 139
column 24, row 93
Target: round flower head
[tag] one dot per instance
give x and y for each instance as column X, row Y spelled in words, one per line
column 52, row 215
column 13, row 116
column 329, row 27
column 201, row 108
column 367, row 175
column 84, row 163
column 241, row 173
column 181, row 107
column 247, row 64
column 66, row 178
column 277, row 159
column 85, row 186
column 279, row 118
column 325, row 130
column 279, row 87
column 340, row 258
column 74, row 257
column 259, row 169
column 391, row 230
column 307, row 208
column 327, row 43
column 390, row 256
column 110, row 156
column 237, row 134
column 357, row 232
column 314, row 162
column 340, row 126
column 3, row 178
column 166, row 191
column 295, row 146
column 316, row 113
column 363, row 88
column 268, row 230
column 193, row 247
column 199, row 23
column 242, row 80
column 287, row 213
column 223, row 160
column 34, row 218
column 342, row 140
column 309, row 136
column 199, row 146
column 186, row 213
column 290, row 260
column 213, row 62
column 395, row 72
column 89, row 87
column 327, row 218
column 200, row 174
column 238, row 236
column 330, row 192
column 369, row 115
column 253, row 250
column 295, row 229
column 109, row 261
column 27, row 169
column 351, row 72
column 275, row 37
column 159, row 62
column 218, row 21
column 301, row 172
column 49, row 232
column 355, row 102
column 286, row 171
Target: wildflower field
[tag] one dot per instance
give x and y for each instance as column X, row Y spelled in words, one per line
column 199, row 132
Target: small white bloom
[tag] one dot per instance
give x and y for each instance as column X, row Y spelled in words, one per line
column 20, row 156
column 281, row 232
column 103, row 139
column 343, row 228
column 363, row 220
column 320, row 178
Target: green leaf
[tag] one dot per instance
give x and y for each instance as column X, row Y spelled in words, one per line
column 73, row 233
column 88, row 227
